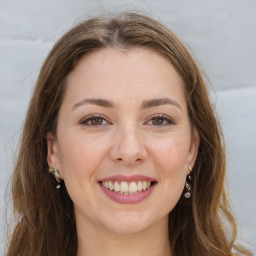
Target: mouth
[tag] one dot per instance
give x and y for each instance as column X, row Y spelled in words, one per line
column 123, row 189
column 127, row 188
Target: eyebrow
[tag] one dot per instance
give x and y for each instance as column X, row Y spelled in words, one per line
column 97, row 102
column 110, row 104
column 159, row 102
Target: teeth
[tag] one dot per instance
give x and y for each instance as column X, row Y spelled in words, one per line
column 111, row 185
column 139, row 185
column 133, row 187
column 105, row 184
column 116, row 186
column 125, row 188
column 144, row 185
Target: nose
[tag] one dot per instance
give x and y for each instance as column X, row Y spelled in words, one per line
column 128, row 147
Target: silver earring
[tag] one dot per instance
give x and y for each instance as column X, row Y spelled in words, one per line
column 56, row 175
column 187, row 194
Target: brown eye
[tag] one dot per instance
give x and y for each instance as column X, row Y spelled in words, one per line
column 157, row 121
column 94, row 120
column 160, row 120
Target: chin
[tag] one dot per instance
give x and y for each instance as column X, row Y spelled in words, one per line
column 128, row 223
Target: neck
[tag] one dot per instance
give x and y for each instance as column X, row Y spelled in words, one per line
column 97, row 242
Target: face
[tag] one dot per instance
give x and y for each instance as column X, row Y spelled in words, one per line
column 123, row 142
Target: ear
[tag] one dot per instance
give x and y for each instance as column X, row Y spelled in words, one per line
column 53, row 154
column 193, row 150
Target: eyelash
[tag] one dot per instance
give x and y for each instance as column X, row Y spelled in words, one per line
column 163, row 118
column 90, row 118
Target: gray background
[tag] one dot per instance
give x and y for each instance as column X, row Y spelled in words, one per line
column 222, row 34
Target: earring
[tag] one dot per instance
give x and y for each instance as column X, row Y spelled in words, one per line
column 187, row 194
column 56, row 175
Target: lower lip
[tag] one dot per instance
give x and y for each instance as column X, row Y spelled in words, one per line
column 128, row 199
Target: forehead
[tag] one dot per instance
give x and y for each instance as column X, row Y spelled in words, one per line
column 138, row 73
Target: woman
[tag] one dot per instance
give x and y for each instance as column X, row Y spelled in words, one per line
column 121, row 118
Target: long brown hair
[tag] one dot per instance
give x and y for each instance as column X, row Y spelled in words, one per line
column 45, row 223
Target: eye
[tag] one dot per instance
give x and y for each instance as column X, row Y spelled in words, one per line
column 94, row 120
column 160, row 120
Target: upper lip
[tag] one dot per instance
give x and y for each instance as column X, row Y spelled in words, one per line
column 127, row 178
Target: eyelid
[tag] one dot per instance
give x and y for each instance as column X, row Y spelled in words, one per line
column 92, row 116
column 163, row 116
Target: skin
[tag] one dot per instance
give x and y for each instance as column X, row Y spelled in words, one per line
column 127, row 140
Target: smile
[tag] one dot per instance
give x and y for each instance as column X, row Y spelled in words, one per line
column 123, row 189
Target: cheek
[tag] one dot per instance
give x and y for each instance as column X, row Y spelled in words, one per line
column 170, row 159
column 171, row 154
column 80, row 156
column 172, row 163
